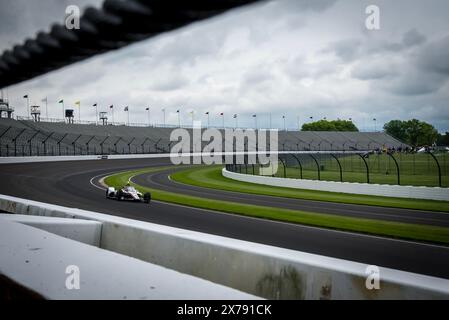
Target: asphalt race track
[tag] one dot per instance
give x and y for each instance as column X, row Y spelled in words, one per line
column 162, row 181
column 69, row 184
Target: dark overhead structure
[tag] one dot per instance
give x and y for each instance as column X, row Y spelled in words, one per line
column 117, row 24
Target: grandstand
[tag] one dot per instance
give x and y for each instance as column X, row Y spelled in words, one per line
column 29, row 138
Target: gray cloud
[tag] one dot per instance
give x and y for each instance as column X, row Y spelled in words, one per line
column 435, row 56
column 413, row 38
column 298, row 58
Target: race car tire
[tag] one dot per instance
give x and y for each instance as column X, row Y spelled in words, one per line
column 147, row 197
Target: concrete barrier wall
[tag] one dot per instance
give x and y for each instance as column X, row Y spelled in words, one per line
column 42, row 262
column 85, row 231
column 383, row 190
column 6, row 160
column 262, row 270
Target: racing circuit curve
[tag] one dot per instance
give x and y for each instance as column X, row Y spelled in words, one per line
column 69, row 184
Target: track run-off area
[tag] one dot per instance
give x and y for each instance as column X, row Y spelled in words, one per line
column 417, row 243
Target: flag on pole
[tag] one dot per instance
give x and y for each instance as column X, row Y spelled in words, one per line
column 126, row 109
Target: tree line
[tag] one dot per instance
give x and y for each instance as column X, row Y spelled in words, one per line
column 413, row 132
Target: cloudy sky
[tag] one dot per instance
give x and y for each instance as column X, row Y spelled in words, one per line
column 297, row 58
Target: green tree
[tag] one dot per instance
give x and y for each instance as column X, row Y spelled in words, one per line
column 413, row 132
column 325, row 125
column 397, row 129
column 420, row 133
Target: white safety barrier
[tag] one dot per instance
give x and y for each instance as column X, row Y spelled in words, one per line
column 85, row 231
column 6, row 160
column 261, row 270
column 9, row 160
column 59, row 268
column 410, row 192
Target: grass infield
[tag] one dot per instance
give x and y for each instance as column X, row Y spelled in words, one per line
column 376, row 227
column 211, row 177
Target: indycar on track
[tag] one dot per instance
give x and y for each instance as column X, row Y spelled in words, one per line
column 127, row 193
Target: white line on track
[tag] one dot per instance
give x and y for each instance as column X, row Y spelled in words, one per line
column 281, row 222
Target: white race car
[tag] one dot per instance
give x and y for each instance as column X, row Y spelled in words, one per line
column 127, row 193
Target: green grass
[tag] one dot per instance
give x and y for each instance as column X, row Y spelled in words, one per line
column 211, row 177
column 415, row 169
column 384, row 228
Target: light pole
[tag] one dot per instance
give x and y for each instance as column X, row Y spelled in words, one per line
column 78, row 103
column 283, row 117
column 255, row 120
column 375, row 124
column 222, row 119
column 207, row 114
column 163, row 111
column 148, row 109
column 270, row 120
column 179, row 119
column 46, row 106
column 236, row 120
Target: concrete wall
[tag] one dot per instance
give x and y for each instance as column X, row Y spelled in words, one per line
column 409, row 192
column 261, row 270
column 85, row 231
column 42, row 262
column 6, row 160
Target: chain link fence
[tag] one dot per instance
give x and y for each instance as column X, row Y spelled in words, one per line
column 429, row 169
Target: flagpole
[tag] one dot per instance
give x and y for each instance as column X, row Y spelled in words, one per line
column 28, row 105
